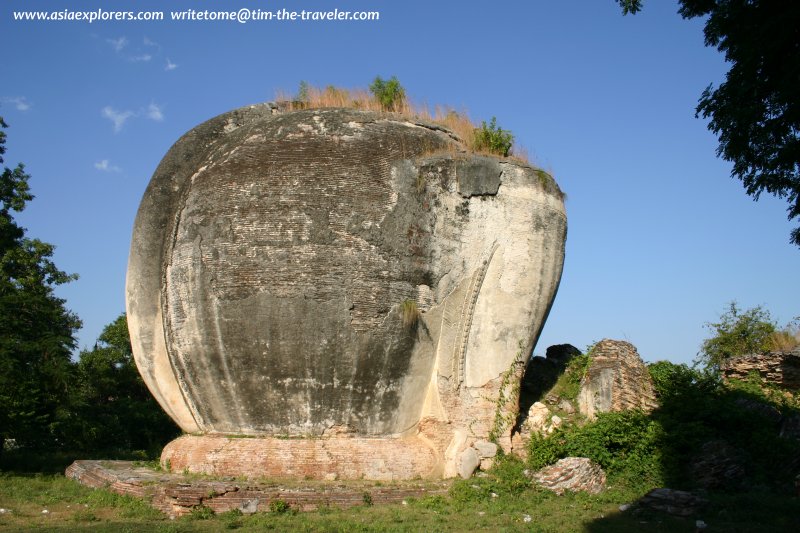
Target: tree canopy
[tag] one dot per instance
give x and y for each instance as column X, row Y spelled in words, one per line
column 755, row 112
column 37, row 332
column 738, row 333
column 111, row 407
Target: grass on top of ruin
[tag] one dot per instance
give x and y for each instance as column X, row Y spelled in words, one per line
column 486, row 138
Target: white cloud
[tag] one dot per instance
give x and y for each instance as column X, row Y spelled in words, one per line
column 170, row 65
column 154, row 113
column 20, row 103
column 148, row 42
column 106, row 166
column 118, row 44
column 141, row 58
column 117, row 117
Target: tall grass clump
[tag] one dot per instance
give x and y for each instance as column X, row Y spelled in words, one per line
column 410, row 314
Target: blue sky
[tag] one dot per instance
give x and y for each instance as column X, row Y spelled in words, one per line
column 660, row 236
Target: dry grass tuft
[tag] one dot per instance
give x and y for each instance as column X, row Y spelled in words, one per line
column 410, row 314
column 785, row 340
column 457, row 122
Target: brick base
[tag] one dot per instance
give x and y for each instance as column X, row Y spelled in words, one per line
column 331, row 458
column 177, row 495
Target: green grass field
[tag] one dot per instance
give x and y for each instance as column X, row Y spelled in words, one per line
column 72, row 507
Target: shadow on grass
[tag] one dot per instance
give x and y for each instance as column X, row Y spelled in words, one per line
column 733, row 444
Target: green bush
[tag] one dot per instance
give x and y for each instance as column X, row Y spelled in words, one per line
column 493, row 139
column 280, row 507
column 508, row 475
column 678, row 380
column 569, row 383
column 201, row 512
column 232, row 519
column 657, row 449
column 301, row 100
column 471, row 490
column 626, row 445
column 389, row 93
column 543, row 451
column 737, row 333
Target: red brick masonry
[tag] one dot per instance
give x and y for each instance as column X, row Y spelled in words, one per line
column 326, row 458
column 177, row 494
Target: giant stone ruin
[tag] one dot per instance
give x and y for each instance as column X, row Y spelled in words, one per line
column 354, row 291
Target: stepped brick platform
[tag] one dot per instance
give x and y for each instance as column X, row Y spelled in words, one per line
column 177, row 494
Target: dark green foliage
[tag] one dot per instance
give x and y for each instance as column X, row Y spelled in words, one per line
column 493, row 139
column 627, row 445
column 281, row 507
column 677, row 381
column 650, row 450
column 545, row 451
column 201, row 512
column 569, row 383
column 113, row 410
column 737, row 333
column 37, row 332
column 755, row 112
column 232, row 519
column 507, row 475
column 630, row 6
column 389, row 93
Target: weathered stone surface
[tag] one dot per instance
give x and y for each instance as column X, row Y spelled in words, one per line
column 177, row 495
column 718, row 465
column 538, row 417
column 541, row 420
column 468, row 463
column 617, row 380
column 576, row 474
column 777, row 368
column 674, row 502
column 273, row 255
column 566, row 406
column 485, row 449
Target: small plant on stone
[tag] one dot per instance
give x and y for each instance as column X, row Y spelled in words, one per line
column 367, row 498
column 493, row 139
column 389, row 93
column 280, row 507
column 301, row 100
column 568, row 385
